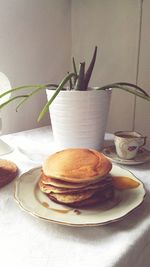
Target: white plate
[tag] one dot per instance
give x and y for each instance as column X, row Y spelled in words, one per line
column 142, row 156
column 32, row 200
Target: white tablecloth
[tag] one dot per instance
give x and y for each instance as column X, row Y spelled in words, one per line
column 28, row 241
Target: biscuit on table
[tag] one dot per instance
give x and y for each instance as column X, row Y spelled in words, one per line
column 8, row 171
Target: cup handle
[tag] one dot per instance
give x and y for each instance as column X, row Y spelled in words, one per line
column 143, row 141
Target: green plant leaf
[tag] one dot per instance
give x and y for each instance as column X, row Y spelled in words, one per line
column 80, row 85
column 27, row 97
column 70, row 83
column 58, row 89
column 11, row 99
column 53, row 86
column 90, row 69
column 74, row 66
column 21, row 88
column 75, row 71
column 136, row 92
column 134, row 86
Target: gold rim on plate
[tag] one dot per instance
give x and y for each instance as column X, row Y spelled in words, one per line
column 25, row 197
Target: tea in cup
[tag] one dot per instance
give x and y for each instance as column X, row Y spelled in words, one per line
column 127, row 143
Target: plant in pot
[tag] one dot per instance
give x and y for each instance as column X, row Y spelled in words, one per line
column 78, row 113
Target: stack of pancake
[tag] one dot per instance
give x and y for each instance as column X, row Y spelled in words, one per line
column 77, row 177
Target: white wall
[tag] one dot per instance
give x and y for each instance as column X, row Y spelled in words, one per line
column 34, row 48
column 142, row 111
column 114, row 27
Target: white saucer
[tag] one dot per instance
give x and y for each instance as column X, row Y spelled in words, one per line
column 142, row 156
column 5, row 148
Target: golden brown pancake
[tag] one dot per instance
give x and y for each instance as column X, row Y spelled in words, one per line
column 60, row 183
column 72, row 198
column 63, row 184
column 48, row 188
column 95, row 198
column 77, row 165
column 77, row 177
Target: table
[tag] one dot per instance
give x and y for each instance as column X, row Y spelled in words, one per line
column 28, row 241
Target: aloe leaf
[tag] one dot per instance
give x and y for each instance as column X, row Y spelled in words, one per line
column 11, row 99
column 136, row 93
column 21, row 88
column 59, row 88
column 53, row 86
column 80, row 85
column 129, row 90
column 134, row 86
column 39, row 87
column 90, row 69
column 70, row 83
column 29, row 95
column 75, row 70
column 74, row 66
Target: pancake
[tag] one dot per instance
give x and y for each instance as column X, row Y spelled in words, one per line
column 96, row 198
column 63, row 184
column 77, row 177
column 77, row 165
column 72, row 198
column 48, row 188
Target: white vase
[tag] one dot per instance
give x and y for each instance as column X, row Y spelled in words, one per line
column 79, row 118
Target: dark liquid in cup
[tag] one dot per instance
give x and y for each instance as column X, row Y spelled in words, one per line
column 125, row 135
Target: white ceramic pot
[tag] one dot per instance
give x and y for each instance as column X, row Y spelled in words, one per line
column 79, row 118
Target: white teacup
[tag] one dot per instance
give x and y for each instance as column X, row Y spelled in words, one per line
column 127, row 143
